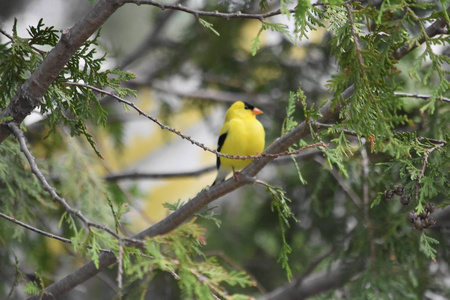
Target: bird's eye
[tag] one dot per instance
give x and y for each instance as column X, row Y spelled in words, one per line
column 248, row 106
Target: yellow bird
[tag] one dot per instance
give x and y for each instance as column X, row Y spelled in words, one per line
column 241, row 134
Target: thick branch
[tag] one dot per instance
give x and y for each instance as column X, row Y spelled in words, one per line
column 438, row 27
column 29, row 95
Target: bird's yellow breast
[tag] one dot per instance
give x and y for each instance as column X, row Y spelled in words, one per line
column 245, row 136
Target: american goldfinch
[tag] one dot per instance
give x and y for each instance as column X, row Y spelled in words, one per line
column 241, row 134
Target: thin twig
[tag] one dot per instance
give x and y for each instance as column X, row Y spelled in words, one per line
column 44, row 233
column 143, row 175
column 425, row 160
column 6, row 34
column 216, row 14
column 355, row 37
column 188, row 138
column 319, row 125
column 343, row 183
column 139, row 175
column 29, row 227
column 420, row 96
column 55, row 197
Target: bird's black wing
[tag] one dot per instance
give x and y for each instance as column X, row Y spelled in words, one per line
column 222, row 138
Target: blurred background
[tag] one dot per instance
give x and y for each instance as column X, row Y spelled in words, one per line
column 187, row 77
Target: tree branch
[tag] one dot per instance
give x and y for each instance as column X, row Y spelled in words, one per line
column 188, row 138
column 355, row 37
column 141, row 175
column 44, row 233
column 31, row 92
column 438, row 27
column 46, row 186
column 29, row 95
column 192, row 206
column 419, row 96
column 319, row 125
column 138, row 175
column 29, row 227
column 216, row 14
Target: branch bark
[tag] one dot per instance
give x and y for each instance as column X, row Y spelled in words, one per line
column 34, row 88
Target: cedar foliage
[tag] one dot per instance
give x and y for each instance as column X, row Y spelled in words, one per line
column 383, row 148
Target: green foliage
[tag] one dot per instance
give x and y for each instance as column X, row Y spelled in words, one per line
column 280, row 205
column 408, row 143
column 20, row 189
column 179, row 253
column 307, row 18
column 289, row 123
column 426, row 247
column 268, row 26
column 206, row 214
column 19, row 58
column 173, row 206
column 373, row 107
column 334, row 157
column 263, row 4
column 35, row 287
column 208, row 26
column 63, row 104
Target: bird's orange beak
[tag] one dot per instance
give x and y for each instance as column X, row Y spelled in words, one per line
column 256, row 111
